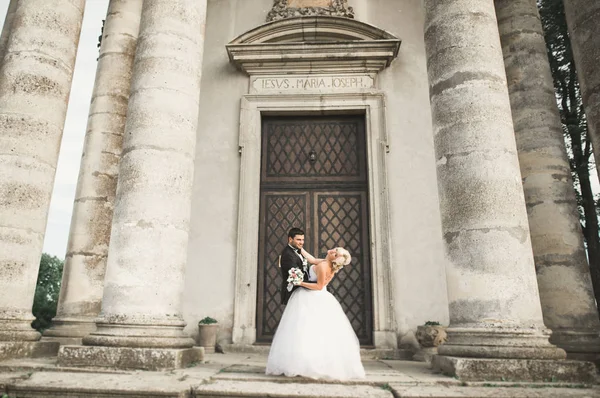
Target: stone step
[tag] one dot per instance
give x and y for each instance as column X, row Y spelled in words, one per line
column 493, row 391
column 365, row 353
column 255, row 389
column 239, row 382
column 261, row 389
column 99, row 385
column 91, row 393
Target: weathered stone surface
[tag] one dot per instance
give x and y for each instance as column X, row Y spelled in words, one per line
column 29, row 349
column 365, row 353
column 431, row 336
column 274, row 389
column 85, row 263
column 128, row 358
column 242, row 375
column 584, row 31
column 143, row 285
column 485, row 369
column 308, row 3
column 283, row 9
column 492, row 286
column 35, row 82
column 425, row 354
column 69, row 330
column 104, row 383
column 410, row 263
column 567, row 298
column 491, row 391
column 10, row 13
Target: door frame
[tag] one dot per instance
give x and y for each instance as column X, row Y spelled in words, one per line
column 253, row 106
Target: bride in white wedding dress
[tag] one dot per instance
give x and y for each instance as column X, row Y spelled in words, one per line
column 314, row 337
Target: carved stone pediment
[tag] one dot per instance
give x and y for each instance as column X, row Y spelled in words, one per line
column 283, row 9
column 318, row 44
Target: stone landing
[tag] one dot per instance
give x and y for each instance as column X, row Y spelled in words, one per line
column 521, row 370
column 128, row 358
column 242, row 375
column 27, row 349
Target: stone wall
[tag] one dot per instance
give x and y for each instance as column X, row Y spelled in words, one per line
column 417, row 250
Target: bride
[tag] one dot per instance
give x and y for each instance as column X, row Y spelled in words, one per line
column 314, row 337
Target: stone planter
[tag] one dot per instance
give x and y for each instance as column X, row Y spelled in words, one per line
column 430, row 337
column 207, row 336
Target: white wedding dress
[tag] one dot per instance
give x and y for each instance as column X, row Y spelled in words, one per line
column 315, row 339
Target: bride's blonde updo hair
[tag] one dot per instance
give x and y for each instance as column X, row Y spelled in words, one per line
column 344, row 259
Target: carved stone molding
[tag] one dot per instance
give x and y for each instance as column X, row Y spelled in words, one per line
column 283, row 9
column 317, row 44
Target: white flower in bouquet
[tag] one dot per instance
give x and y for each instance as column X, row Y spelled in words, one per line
column 295, row 277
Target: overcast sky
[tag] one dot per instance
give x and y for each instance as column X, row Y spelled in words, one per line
column 61, row 207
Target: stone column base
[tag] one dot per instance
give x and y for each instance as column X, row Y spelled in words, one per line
column 534, row 370
column 69, row 331
column 581, row 345
column 128, row 358
column 64, row 340
column 27, row 349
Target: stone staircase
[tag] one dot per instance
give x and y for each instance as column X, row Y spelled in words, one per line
column 238, row 375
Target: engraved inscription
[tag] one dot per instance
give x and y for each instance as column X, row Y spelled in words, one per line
column 303, row 83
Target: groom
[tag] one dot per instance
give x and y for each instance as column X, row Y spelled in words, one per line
column 291, row 257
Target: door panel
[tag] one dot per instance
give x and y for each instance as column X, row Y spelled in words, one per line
column 322, row 150
column 341, row 222
column 280, row 211
column 313, row 176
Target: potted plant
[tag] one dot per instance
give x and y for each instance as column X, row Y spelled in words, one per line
column 207, row 336
column 430, row 336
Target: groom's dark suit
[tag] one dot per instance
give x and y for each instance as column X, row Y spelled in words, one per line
column 289, row 260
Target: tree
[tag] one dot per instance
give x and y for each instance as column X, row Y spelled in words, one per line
column 574, row 125
column 46, row 292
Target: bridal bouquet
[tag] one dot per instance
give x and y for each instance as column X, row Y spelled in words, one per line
column 296, row 276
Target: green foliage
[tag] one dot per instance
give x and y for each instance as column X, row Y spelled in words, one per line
column 207, row 321
column 386, row 387
column 46, row 292
column 432, row 323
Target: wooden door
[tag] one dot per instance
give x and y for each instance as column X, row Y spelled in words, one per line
column 314, row 177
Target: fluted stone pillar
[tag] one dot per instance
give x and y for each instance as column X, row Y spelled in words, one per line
column 85, row 263
column 583, row 21
column 141, row 317
column 495, row 313
column 35, row 81
column 10, row 13
column 564, row 282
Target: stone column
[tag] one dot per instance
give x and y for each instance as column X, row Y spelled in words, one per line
column 10, row 13
column 85, row 263
column 584, row 30
column 495, row 312
column 141, row 325
column 566, row 294
column 35, row 81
